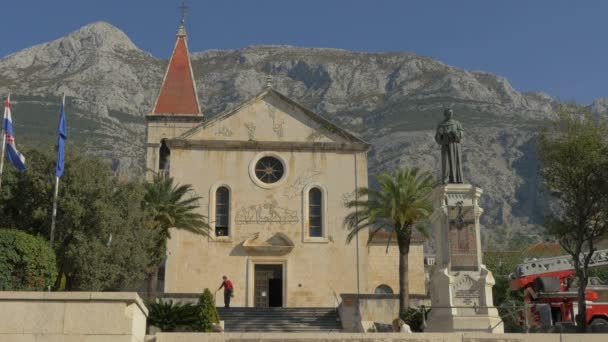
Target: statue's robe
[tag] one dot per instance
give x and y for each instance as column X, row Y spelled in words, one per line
column 449, row 135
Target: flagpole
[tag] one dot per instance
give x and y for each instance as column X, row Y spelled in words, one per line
column 3, row 142
column 54, row 209
column 56, row 193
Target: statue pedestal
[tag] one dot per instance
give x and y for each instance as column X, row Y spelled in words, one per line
column 461, row 286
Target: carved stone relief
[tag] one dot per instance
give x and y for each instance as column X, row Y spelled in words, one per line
column 466, row 291
column 268, row 212
column 224, row 131
column 250, row 126
column 294, row 189
column 462, row 238
column 277, row 122
column 314, row 136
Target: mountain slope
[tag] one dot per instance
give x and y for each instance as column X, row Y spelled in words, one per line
column 393, row 100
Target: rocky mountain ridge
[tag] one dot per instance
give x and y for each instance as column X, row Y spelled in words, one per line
column 393, row 100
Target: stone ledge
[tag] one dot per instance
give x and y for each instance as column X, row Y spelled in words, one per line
column 386, row 337
column 178, row 143
column 66, row 338
column 380, row 296
column 128, row 297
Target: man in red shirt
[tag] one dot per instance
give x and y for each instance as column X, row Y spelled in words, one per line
column 228, row 290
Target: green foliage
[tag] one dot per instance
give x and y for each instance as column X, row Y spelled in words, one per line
column 171, row 205
column 413, row 317
column 169, row 316
column 401, row 204
column 27, row 262
column 208, row 315
column 601, row 273
column 502, row 264
column 102, row 240
column 574, row 166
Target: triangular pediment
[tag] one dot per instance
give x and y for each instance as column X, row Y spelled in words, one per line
column 270, row 117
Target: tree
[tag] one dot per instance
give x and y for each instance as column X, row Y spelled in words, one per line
column 170, row 206
column 574, row 168
column 102, row 238
column 400, row 204
column 208, row 315
column 27, row 263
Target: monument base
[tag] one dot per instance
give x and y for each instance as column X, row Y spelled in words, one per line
column 459, row 302
column 461, row 286
column 464, row 323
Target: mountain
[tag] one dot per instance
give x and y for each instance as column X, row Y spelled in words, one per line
column 393, row 100
column 600, row 107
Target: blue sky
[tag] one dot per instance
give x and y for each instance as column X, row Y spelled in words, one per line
column 556, row 46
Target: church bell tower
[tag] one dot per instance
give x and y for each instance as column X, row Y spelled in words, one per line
column 175, row 111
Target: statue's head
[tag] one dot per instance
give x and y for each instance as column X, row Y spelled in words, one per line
column 448, row 113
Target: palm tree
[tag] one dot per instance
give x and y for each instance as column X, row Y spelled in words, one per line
column 399, row 205
column 170, row 206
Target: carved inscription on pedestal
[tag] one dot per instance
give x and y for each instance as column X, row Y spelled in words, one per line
column 466, row 291
column 462, row 238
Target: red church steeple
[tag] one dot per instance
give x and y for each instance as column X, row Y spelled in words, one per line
column 178, row 92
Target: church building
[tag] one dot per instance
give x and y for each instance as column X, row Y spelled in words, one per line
column 274, row 178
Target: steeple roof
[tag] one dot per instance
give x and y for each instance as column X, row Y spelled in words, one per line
column 178, row 92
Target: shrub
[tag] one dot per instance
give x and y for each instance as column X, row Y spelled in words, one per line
column 169, row 316
column 27, row 262
column 208, row 315
column 413, row 317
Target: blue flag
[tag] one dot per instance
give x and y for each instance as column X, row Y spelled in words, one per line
column 16, row 158
column 63, row 135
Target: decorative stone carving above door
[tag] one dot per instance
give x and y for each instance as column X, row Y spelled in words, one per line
column 278, row 244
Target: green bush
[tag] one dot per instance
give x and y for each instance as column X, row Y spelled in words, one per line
column 27, row 262
column 208, row 315
column 169, row 316
column 413, row 317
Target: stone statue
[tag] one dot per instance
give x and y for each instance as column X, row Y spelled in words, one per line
column 449, row 135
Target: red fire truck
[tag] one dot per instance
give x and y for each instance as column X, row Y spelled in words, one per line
column 550, row 292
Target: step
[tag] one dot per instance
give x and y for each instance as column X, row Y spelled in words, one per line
column 240, row 319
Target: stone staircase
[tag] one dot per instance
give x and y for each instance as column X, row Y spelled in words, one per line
column 280, row 319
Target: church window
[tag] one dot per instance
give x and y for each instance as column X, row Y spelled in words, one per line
column 315, row 213
column 164, row 155
column 222, row 211
column 383, row 289
column 269, row 170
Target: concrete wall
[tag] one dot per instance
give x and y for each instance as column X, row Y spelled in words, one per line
column 386, row 337
column 72, row 316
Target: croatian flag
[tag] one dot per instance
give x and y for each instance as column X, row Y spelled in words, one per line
column 16, row 158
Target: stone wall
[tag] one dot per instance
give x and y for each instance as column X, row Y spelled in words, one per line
column 72, row 316
column 386, row 337
column 358, row 313
column 384, row 267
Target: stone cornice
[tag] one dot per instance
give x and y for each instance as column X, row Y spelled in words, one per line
column 174, row 118
column 266, row 145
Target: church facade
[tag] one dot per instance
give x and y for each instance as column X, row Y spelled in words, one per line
column 274, row 178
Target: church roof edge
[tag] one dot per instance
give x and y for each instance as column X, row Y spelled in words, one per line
column 330, row 126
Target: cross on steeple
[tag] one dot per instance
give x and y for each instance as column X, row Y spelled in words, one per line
column 183, row 11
